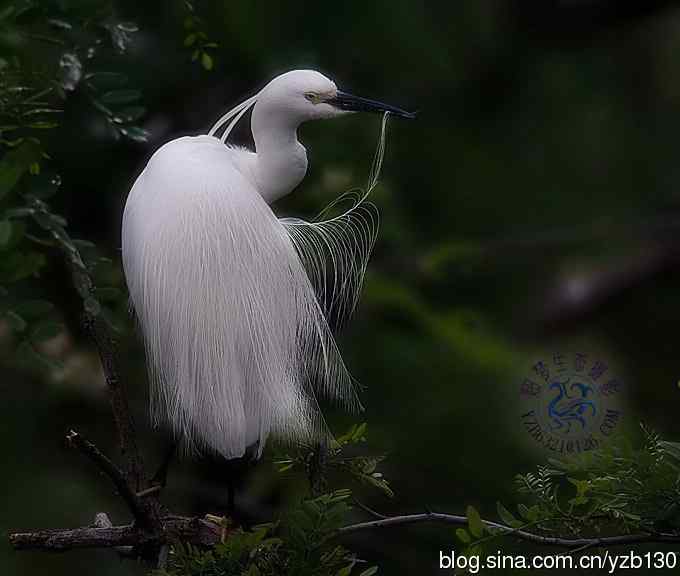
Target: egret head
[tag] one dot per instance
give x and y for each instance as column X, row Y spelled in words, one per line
column 302, row 95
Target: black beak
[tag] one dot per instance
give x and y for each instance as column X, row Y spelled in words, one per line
column 344, row 101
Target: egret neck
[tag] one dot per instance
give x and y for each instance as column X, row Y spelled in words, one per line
column 281, row 161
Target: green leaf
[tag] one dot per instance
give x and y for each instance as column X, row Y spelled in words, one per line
column 84, row 244
column 49, row 221
column 46, row 331
column 15, row 266
column 107, row 80
column 121, row 96
column 475, row 550
column 34, row 309
column 559, row 464
column 100, row 106
column 135, row 133
column 207, row 61
column 531, row 514
column 16, row 322
column 463, row 535
column 31, row 358
column 45, row 185
column 507, row 516
column 17, row 231
column 370, row 571
column 345, row 571
column 5, row 233
column 130, row 114
column 671, row 449
column 109, row 294
column 190, row 40
column 15, row 163
column 475, row 522
column 19, row 212
column 582, row 486
column 6, row 12
column 43, row 125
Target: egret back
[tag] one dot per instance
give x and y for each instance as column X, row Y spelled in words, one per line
column 236, row 340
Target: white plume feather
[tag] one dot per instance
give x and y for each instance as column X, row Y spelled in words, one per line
column 336, row 251
column 236, row 338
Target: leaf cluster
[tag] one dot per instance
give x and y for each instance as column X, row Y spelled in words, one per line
column 55, row 49
column 299, row 544
column 197, row 39
column 340, row 458
column 615, row 489
column 52, row 50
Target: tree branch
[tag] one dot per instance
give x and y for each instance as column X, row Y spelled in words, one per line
column 106, row 348
column 99, row 332
column 133, row 502
column 148, row 534
column 569, row 543
column 200, row 531
column 197, row 531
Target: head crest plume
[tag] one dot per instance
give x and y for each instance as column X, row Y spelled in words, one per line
column 235, row 114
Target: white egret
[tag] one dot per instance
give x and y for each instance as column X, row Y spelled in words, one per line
column 232, row 301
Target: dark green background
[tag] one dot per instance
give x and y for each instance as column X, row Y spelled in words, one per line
column 545, row 154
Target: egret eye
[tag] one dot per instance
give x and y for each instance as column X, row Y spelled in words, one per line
column 312, row 97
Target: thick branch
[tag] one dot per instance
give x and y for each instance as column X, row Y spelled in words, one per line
column 569, row 543
column 56, row 540
column 194, row 530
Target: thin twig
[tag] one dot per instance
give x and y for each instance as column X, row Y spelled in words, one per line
column 369, row 510
column 149, row 491
column 570, row 543
column 113, row 472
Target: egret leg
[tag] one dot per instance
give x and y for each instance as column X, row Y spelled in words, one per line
column 235, row 470
column 316, row 469
column 231, row 490
column 161, row 476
